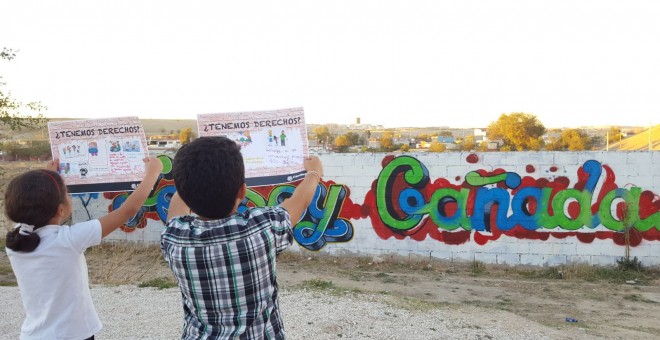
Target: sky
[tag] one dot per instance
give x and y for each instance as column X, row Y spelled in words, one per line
column 402, row 63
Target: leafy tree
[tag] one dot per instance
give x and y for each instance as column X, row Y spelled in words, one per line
column 554, row 144
column 575, row 140
column 519, row 131
column 483, row 146
column 322, row 134
column 405, row 147
column 342, row 143
column 387, row 140
column 614, row 135
column 353, row 138
column 446, row 133
column 12, row 111
column 437, row 147
column 468, row 143
column 186, row 135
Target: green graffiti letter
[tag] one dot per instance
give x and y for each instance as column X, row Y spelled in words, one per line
column 415, row 175
column 583, row 199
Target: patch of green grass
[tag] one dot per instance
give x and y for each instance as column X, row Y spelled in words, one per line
column 317, row 284
column 5, row 269
column 628, row 264
column 352, row 275
column 545, row 273
column 477, row 268
column 160, row 283
column 8, row 284
column 615, row 275
column 385, row 278
column 415, row 304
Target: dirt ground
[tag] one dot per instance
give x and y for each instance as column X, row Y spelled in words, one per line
column 607, row 302
column 605, row 307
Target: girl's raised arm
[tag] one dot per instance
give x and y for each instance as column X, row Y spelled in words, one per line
column 134, row 202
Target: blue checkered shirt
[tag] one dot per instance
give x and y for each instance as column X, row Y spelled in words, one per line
column 226, row 272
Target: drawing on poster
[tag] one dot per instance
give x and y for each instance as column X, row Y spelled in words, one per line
column 273, row 143
column 99, row 154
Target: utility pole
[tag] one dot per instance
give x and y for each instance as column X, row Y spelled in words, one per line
column 650, row 137
column 607, row 140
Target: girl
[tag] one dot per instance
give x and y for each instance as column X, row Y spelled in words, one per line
column 48, row 258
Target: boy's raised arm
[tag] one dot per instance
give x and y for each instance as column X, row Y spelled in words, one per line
column 302, row 196
column 134, row 202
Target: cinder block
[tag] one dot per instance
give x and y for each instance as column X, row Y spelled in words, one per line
column 639, row 157
column 579, row 259
column 511, row 259
column 567, row 158
column 614, row 159
column 490, row 258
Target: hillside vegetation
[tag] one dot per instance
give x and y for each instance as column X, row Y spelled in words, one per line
column 639, row 141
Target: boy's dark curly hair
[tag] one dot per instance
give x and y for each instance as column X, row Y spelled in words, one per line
column 208, row 174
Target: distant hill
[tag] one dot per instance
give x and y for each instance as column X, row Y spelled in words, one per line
column 163, row 126
column 639, row 141
column 151, row 127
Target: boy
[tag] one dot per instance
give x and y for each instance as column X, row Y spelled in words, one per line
column 224, row 261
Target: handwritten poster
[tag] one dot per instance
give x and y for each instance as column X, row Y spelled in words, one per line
column 99, row 155
column 273, row 143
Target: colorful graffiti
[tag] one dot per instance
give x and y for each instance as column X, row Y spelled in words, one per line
column 404, row 202
column 326, row 220
column 157, row 203
column 490, row 204
column 85, row 199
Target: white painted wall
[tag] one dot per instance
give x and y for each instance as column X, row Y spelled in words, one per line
column 358, row 171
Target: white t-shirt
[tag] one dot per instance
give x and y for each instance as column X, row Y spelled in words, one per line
column 54, row 284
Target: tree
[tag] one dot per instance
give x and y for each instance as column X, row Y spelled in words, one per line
column 518, row 131
column 12, row 111
column 405, row 147
column 342, row 143
column 575, row 140
column 322, row 134
column 353, row 138
column 437, row 147
column 186, row 135
column 387, row 140
column 469, row 143
column 614, row 134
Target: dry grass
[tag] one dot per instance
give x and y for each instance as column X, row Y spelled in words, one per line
column 125, row 263
column 639, row 141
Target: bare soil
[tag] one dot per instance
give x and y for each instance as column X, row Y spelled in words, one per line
column 608, row 303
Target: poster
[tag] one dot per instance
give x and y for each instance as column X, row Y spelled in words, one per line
column 273, row 143
column 99, row 155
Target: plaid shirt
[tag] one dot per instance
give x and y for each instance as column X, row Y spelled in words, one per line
column 226, row 272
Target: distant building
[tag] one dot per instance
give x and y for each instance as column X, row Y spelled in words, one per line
column 163, row 142
column 446, row 139
column 480, row 136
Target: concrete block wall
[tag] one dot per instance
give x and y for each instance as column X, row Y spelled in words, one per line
column 369, row 231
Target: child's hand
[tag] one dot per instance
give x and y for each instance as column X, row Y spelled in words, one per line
column 313, row 163
column 53, row 165
column 153, row 166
